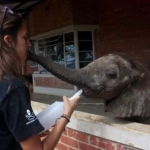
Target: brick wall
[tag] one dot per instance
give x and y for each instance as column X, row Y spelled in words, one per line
column 75, row 140
column 85, row 12
column 87, row 131
column 52, row 82
column 55, row 14
column 124, row 27
column 50, row 15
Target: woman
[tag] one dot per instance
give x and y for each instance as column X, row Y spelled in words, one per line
column 17, row 131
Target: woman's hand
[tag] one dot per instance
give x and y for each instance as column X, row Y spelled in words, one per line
column 45, row 133
column 70, row 106
column 52, row 137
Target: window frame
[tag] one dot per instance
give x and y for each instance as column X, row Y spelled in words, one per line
column 75, row 30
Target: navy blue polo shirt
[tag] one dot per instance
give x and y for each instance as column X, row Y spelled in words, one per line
column 17, row 119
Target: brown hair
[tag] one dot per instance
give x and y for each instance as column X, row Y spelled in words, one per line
column 11, row 25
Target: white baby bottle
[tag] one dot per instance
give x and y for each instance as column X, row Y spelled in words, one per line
column 48, row 117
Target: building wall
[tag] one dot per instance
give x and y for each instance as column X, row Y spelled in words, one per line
column 87, row 131
column 50, row 15
column 124, row 27
column 52, row 83
column 85, row 12
column 76, row 140
column 54, row 14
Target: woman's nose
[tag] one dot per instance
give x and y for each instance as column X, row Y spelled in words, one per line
column 29, row 44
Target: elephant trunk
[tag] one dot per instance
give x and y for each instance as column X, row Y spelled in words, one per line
column 72, row 76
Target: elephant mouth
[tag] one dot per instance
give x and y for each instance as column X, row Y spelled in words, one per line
column 90, row 93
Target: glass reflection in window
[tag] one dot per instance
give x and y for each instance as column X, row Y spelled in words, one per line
column 85, row 45
column 69, row 47
column 83, row 64
column 86, row 56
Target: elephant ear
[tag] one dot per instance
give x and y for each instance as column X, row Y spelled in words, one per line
column 134, row 100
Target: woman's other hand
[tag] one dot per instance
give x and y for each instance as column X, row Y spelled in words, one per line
column 45, row 133
column 70, row 105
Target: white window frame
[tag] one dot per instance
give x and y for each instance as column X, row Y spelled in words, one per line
column 75, row 29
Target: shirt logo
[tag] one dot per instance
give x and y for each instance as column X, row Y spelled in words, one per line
column 30, row 116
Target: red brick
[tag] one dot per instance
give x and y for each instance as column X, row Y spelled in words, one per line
column 84, row 146
column 123, row 147
column 61, row 146
column 122, row 32
column 52, row 82
column 71, row 142
column 78, row 135
column 69, row 148
column 101, row 143
column 110, row 146
column 55, row 14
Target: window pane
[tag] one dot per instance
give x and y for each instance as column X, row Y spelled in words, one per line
column 84, row 35
column 60, row 50
column 85, row 56
column 69, row 47
column 83, row 64
column 71, row 65
column 50, row 47
column 51, row 50
column 41, row 43
column 61, row 62
column 52, row 57
column 85, row 45
column 70, row 57
column 69, row 37
column 53, row 38
column 51, row 43
column 56, row 59
column 41, row 52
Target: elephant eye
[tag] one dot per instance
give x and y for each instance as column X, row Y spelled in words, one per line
column 111, row 75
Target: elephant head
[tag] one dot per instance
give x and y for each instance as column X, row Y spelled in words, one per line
column 123, row 83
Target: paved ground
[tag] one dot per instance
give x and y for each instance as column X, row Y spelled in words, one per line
column 85, row 104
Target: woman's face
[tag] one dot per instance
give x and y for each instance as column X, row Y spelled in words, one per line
column 22, row 43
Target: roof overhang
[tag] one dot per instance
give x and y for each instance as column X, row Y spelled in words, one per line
column 20, row 6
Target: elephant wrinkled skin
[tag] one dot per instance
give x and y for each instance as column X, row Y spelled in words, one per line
column 124, row 84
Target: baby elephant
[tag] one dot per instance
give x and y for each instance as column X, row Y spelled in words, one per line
column 124, row 84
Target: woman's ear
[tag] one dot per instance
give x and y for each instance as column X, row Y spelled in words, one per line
column 7, row 40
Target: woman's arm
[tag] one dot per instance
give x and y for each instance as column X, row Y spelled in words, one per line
column 49, row 143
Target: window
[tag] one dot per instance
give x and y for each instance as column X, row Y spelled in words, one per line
column 53, row 48
column 52, row 44
column 67, row 48
column 85, row 43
